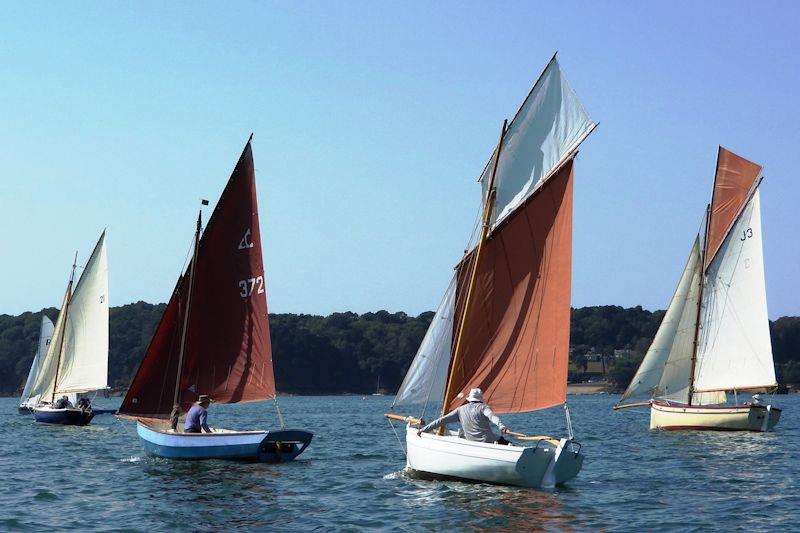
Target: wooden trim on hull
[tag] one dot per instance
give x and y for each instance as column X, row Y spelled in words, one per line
column 680, row 417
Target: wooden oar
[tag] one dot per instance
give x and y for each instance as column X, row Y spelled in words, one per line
column 626, row 405
column 523, row 436
column 409, row 419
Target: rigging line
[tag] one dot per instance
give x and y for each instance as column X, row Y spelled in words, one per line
column 398, row 438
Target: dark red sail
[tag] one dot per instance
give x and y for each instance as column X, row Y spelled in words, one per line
column 227, row 353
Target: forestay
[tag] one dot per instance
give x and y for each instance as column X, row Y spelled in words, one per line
column 734, row 349
column 45, row 335
column 547, row 129
column 228, row 352
column 84, row 358
column 427, row 375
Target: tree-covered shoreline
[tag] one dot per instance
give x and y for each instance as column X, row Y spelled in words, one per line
column 350, row 353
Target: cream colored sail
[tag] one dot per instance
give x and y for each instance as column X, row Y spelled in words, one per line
column 427, row 374
column 42, row 385
column 84, row 359
column 547, row 129
column 45, row 335
column 665, row 369
column 734, row 350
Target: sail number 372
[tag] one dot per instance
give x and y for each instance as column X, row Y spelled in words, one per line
column 247, row 286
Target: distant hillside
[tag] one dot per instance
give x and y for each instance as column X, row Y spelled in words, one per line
column 348, row 352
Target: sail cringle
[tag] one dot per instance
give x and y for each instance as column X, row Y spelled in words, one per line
column 515, row 344
column 734, row 178
column 734, row 350
column 228, row 352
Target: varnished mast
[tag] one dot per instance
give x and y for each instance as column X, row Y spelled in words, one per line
column 176, row 397
column 486, row 225
column 64, row 328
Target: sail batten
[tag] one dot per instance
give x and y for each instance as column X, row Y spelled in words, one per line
column 228, row 351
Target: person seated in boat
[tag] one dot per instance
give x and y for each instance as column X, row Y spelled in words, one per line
column 197, row 417
column 756, row 400
column 476, row 420
column 63, row 403
column 84, row 404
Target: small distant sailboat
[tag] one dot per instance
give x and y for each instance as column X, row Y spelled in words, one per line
column 378, row 388
column 213, row 339
column 503, row 323
column 28, row 401
column 76, row 360
column 715, row 334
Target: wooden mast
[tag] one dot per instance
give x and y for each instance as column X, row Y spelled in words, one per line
column 64, row 328
column 699, row 305
column 176, row 397
column 486, row 224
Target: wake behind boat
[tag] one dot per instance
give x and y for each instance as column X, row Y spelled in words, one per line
column 213, row 338
column 76, row 358
column 715, row 335
column 503, row 323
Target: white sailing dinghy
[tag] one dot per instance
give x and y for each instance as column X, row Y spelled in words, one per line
column 213, row 339
column 715, row 334
column 76, row 360
column 503, row 323
column 28, row 401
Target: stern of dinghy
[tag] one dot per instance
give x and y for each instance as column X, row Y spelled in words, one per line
column 284, row 445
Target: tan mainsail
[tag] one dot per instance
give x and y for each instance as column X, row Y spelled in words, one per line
column 734, row 178
column 516, row 339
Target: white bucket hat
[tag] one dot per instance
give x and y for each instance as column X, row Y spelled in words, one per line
column 475, row 395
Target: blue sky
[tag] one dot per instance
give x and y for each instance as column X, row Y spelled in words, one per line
column 372, row 121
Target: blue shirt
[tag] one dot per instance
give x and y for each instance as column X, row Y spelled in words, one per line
column 197, row 418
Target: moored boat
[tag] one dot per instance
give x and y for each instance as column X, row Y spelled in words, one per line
column 503, row 323
column 715, row 337
column 213, row 338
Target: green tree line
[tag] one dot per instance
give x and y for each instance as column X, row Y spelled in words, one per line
column 348, row 352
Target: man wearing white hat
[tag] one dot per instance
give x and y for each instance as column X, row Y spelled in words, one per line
column 476, row 420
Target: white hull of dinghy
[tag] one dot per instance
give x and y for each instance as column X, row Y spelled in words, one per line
column 540, row 465
column 676, row 417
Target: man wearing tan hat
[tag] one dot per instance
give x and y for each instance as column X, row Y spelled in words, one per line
column 476, row 420
column 197, row 417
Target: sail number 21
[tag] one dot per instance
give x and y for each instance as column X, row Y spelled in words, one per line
column 248, row 285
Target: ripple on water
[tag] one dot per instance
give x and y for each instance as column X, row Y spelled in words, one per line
column 632, row 478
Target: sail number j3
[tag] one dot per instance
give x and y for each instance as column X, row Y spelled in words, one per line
column 746, row 234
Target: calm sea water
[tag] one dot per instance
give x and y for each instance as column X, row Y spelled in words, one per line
column 97, row 477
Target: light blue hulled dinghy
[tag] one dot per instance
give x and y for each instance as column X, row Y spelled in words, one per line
column 213, row 338
column 262, row 446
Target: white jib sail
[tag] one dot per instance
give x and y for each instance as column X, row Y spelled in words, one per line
column 43, row 383
column 549, row 126
column 664, row 372
column 84, row 360
column 427, row 375
column 735, row 351
column 45, row 335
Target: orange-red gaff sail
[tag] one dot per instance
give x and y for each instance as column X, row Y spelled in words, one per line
column 734, row 179
column 228, row 354
column 516, row 340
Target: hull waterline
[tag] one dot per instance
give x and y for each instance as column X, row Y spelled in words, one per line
column 64, row 417
column 260, row 446
column 541, row 465
column 679, row 417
